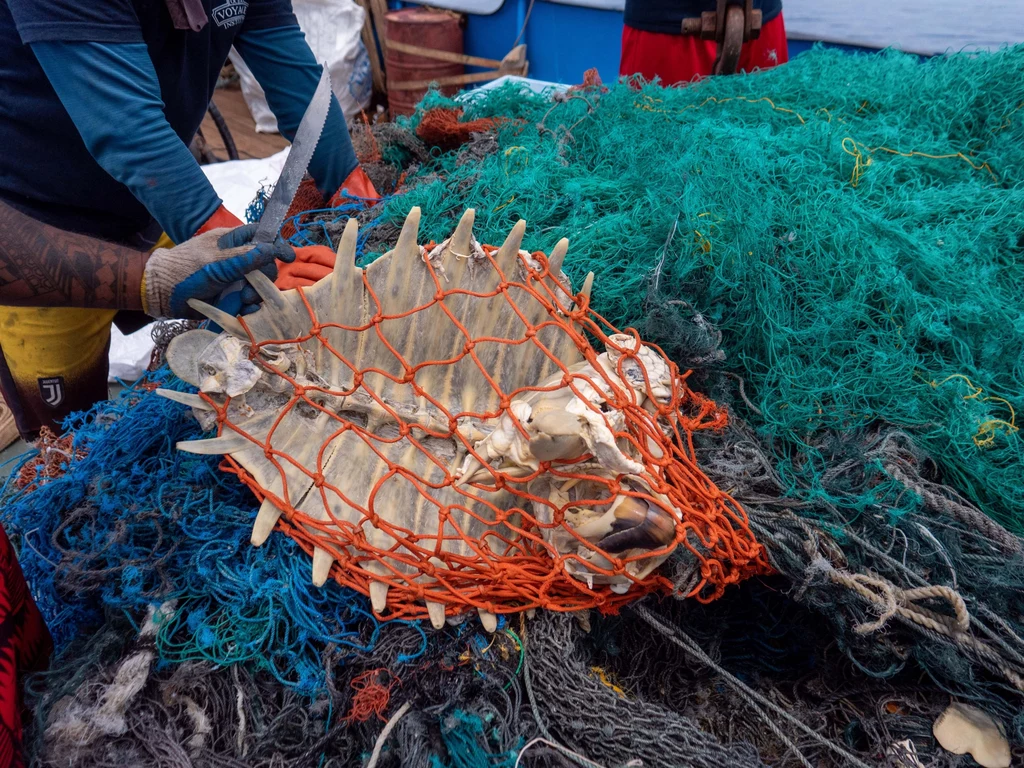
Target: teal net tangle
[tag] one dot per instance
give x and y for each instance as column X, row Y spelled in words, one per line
column 852, row 225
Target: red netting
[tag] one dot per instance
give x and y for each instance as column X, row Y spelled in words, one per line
column 514, row 555
column 307, row 198
column 55, row 453
column 371, row 693
column 442, row 127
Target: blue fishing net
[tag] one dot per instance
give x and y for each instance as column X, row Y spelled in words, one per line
column 135, row 522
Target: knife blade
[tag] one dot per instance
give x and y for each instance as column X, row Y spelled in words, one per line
column 306, row 138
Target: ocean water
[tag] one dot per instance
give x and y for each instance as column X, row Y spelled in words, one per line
column 919, row 26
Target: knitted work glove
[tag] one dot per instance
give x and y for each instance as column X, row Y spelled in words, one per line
column 203, row 267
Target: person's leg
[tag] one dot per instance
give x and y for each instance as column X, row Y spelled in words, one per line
column 673, row 58
column 769, row 50
column 25, row 646
column 53, row 361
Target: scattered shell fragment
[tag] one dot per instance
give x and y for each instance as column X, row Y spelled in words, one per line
column 966, row 730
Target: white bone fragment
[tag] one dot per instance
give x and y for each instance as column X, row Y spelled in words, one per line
column 488, row 620
column 963, row 729
column 461, row 240
column 214, row 445
column 221, row 318
column 185, row 398
column 322, row 562
column 378, row 596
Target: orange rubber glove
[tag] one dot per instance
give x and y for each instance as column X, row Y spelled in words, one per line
column 221, row 218
column 357, row 184
column 312, row 263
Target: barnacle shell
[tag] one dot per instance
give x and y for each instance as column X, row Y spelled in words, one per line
column 371, row 403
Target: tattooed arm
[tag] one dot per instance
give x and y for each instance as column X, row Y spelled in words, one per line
column 42, row 266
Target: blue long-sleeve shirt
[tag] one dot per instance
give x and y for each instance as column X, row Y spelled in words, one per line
column 102, row 106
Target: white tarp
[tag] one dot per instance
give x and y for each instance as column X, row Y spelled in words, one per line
column 129, row 355
column 332, row 29
column 238, row 181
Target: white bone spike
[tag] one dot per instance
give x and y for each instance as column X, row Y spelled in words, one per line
column 460, row 242
column 488, row 620
column 221, row 318
column 407, row 247
column 185, row 398
column 588, row 284
column 436, row 613
column 508, row 255
column 557, row 257
column 346, row 260
column 267, row 518
column 215, row 445
column 322, row 562
column 378, row 589
column 472, row 469
column 378, row 596
column 269, row 292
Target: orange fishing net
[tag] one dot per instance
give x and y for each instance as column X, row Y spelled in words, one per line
column 527, row 541
column 442, row 127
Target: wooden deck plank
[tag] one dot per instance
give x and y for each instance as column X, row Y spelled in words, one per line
column 243, row 129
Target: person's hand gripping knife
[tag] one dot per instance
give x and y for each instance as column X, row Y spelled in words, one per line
column 120, row 117
column 204, row 267
column 84, row 272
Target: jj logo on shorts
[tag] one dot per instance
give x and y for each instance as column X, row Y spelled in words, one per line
column 52, row 390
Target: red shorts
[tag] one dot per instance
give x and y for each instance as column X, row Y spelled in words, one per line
column 682, row 58
column 25, row 646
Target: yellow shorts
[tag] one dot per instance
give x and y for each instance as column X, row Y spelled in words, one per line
column 53, row 361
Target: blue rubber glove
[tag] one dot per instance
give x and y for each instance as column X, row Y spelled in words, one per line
column 245, row 301
column 203, row 267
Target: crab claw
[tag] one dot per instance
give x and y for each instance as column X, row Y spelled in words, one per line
column 638, row 524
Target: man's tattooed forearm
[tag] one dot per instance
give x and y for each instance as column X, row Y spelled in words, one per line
column 43, row 266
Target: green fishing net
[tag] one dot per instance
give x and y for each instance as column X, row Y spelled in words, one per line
column 853, row 225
